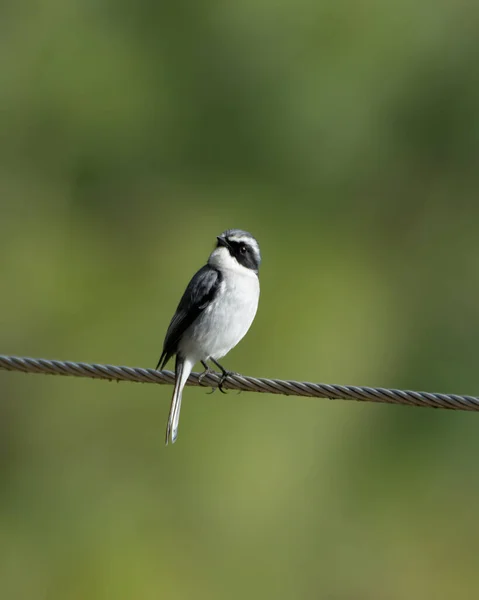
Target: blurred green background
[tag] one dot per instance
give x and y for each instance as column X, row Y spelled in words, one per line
column 345, row 137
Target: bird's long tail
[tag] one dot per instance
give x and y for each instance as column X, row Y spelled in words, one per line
column 183, row 369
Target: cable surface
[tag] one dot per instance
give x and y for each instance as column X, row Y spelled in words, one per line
column 241, row 382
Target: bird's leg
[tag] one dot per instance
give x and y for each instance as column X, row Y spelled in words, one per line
column 224, row 375
column 206, row 372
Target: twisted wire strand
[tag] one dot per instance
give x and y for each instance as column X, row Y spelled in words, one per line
column 241, row 382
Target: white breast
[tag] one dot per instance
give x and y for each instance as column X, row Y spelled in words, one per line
column 226, row 321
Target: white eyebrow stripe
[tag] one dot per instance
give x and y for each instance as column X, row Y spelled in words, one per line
column 243, row 238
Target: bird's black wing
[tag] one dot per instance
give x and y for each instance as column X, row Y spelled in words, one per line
column 200, row 292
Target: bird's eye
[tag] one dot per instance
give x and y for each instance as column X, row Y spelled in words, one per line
column 242, row 248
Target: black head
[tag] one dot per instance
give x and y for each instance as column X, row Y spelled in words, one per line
column 242, row 246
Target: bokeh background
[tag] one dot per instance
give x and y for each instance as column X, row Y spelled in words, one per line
column 345, row 136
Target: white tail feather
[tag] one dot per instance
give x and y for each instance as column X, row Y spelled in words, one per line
column 183, row 370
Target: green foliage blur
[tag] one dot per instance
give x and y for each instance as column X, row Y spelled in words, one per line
column 345, row 137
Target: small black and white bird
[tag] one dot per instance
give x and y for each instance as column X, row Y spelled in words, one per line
column 214, row 314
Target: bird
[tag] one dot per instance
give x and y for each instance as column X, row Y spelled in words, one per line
column 213, row 315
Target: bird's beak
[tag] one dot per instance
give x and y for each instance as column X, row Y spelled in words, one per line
column 222, row 241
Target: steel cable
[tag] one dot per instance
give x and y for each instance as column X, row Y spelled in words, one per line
column 241, row 382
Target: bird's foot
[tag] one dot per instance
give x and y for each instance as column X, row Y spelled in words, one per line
column 207, row 371
column 224, row 377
